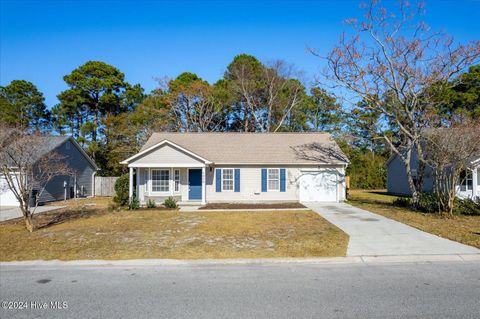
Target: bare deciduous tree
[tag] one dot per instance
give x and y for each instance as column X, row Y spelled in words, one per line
column 27, row 166
column 268, row 93
column 449, row 152
column 195, row 108
column 390, row 62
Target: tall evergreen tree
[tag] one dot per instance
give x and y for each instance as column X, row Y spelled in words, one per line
column 23, row 105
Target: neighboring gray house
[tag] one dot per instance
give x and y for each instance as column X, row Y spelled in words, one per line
column 397, row 178
column 80, row 185
column 238, row 167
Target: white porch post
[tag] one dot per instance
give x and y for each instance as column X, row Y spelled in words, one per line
column 475, row 182
column 137, row 183
column 204, row 184
column 130, row 185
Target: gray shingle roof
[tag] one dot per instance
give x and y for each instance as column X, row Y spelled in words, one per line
column 257, row 148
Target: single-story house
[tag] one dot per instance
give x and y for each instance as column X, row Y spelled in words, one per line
column 60, row 187
column 238, row 167
column 397, row 182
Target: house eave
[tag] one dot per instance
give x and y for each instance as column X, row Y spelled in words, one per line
column 153, row 147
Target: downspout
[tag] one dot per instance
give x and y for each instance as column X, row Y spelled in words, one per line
column 93, row 183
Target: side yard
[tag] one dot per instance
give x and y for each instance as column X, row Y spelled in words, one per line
column 86, row 229
column 464, row 229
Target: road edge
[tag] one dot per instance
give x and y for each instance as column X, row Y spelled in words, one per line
column 257, row 261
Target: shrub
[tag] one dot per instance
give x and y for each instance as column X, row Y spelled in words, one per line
column 134, row 204
column 170, row 203
column 121, row 190
column 428, row 203
column 151, row 203
column 402, row 202
column 466, row 206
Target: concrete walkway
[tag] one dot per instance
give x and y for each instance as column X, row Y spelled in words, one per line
column 7, row 213
column 375, row 235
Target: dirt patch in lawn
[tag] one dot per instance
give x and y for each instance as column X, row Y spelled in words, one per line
column 464, row 229
column 88, row 232
column 253, row 206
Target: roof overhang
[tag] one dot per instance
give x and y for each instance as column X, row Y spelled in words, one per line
column 71, row 139
column 161, row 143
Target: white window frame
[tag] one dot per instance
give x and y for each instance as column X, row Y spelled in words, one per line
column 469, row 177
column 233, row 179
column 146, row 176
column 273, row 179
column 169, row 180
column 176, row 183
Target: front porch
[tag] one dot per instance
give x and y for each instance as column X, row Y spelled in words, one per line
column 470, row 184
column 186, row 184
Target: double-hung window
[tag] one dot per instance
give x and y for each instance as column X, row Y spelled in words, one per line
column 227, row 179
column 176, row 180
column 273, row 179
column 160, row 180
column 466, row 179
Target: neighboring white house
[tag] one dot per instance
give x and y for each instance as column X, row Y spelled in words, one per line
column 238, row 167
column 397, row 178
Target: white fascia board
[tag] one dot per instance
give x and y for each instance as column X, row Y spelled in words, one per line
column 282, row 164
column 165, row 165
column 476, row 161
column 160, row 144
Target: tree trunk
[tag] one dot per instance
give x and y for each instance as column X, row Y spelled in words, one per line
column 28, row 218
column 411, row 183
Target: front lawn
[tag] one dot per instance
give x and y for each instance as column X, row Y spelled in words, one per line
column 464, row 229
column 87, row 230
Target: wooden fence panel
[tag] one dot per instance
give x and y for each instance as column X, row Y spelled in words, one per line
column 105, row 186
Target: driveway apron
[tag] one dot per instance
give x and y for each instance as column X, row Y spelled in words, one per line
column 375, row 235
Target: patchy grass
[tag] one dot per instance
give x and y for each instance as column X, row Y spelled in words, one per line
column 371, row 196
column 98, row 202
column 85, row 231
column 286, row 205
column 464, row 229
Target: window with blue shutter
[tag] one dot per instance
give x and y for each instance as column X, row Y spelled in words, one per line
column 237, row 180
column 264, row 180
column 282, row 179
column 218, row 180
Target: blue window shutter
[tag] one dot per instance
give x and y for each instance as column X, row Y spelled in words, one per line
column 282, row 179
column 237, row 179
column 264, row 180
column 218, row 180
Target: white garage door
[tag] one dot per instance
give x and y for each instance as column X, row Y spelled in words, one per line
column 6, row 196
column 318, row 187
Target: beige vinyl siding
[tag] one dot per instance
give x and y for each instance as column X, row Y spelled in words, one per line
column 184, row 183
column 143, row 186
column 250, row 185
column 166, row 154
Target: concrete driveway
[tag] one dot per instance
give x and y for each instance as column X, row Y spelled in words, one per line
column 375, row 235
column 10, row 212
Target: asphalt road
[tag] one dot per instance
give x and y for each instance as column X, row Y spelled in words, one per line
column 438, row 290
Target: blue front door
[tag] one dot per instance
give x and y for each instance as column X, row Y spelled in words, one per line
column 195, row 184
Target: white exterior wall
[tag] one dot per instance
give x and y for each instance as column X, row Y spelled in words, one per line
column 250, row 178
column 144, row 186
column 250, row 185
column 166, row 154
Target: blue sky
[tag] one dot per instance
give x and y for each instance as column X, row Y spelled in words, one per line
column 41, row 41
